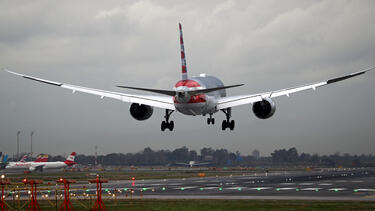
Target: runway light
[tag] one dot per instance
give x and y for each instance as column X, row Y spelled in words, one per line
column 316, row 190
column 144, row 188
column 163, row 188
column 220, row 188
column 182, row 188
column 200, row 188
column 87, row 190
column 125, row 189
column 258, row 189
column 356, row 190
column 239, row 189
column 336, row 190
column 2, row 176
column 277, row 189
column 106, row 190
column 49, row 191
column 297, row 189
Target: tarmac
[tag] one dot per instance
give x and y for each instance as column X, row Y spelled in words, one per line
column 352, row 184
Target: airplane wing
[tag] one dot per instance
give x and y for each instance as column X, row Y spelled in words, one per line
column 165, row 102
column 232, row 101
column 185, row 164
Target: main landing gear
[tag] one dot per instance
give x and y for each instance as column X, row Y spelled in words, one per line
column 167, row 124
column 210, row 120
column 227, row 123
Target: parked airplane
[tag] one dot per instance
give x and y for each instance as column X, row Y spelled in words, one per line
column 192, row 163
column 41, row 164
column 203, row 95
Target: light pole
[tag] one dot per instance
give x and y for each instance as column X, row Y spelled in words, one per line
column 31, row 142
column 18, row 144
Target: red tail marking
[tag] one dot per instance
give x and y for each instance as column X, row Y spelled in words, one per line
column 187, row 83
column 183, row 60
column 42, row 158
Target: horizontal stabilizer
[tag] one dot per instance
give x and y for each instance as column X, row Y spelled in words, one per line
column 159, row 91
column 174, row 93
column 202, row 91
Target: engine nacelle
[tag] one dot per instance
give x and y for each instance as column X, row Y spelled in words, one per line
column 141, row 112
column 264, row 109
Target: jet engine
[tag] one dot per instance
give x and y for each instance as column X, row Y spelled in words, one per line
column 264, row 109
column 141, row 112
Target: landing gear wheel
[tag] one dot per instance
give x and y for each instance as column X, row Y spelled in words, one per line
column 171, row 125
column 163, row 125
column 227, row 123
column 224, row 125
column 210, row 120
column 231, row 125
column 166, row 124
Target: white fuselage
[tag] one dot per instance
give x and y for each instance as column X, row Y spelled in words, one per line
column 34, row 165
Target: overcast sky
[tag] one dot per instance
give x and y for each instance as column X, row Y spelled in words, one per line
column 266, row 45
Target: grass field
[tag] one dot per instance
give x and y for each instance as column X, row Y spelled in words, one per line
column 172, row 205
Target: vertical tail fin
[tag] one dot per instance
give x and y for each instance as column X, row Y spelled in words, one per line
column 41, row 158
column 70, row 160
column 183, row 60
column 23, row 159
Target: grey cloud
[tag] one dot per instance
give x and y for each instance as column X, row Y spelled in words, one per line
column 265, row 44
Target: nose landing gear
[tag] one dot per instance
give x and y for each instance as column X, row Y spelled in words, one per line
column 167, row 124
column 227, row 123
column 210, row 120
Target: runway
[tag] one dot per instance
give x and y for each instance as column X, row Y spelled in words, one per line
column 327, row 185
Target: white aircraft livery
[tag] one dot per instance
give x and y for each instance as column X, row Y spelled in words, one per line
column 203, row 95
column 41, row 165
column 192, row 163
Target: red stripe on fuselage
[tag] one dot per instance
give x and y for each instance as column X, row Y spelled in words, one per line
column 201, row 98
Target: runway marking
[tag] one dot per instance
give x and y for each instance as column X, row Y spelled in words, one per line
column 287, row 183
column 357, row 181
column 341, row 180
column 337, row 189
column 260, row 188
column 209, row 188
column 311, row 189
column 251, row 182
column 285, row 189
column 173, row 184
column 325, row 184
column 235, row 188
column 364, row 190
column 185, row 188
column 306, row 183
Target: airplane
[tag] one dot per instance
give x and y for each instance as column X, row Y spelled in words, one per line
column 22, row 163
column 192, row 163
column 41, row 164
column 202, row 95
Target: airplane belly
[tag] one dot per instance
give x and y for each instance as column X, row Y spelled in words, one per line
column 193, row 109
